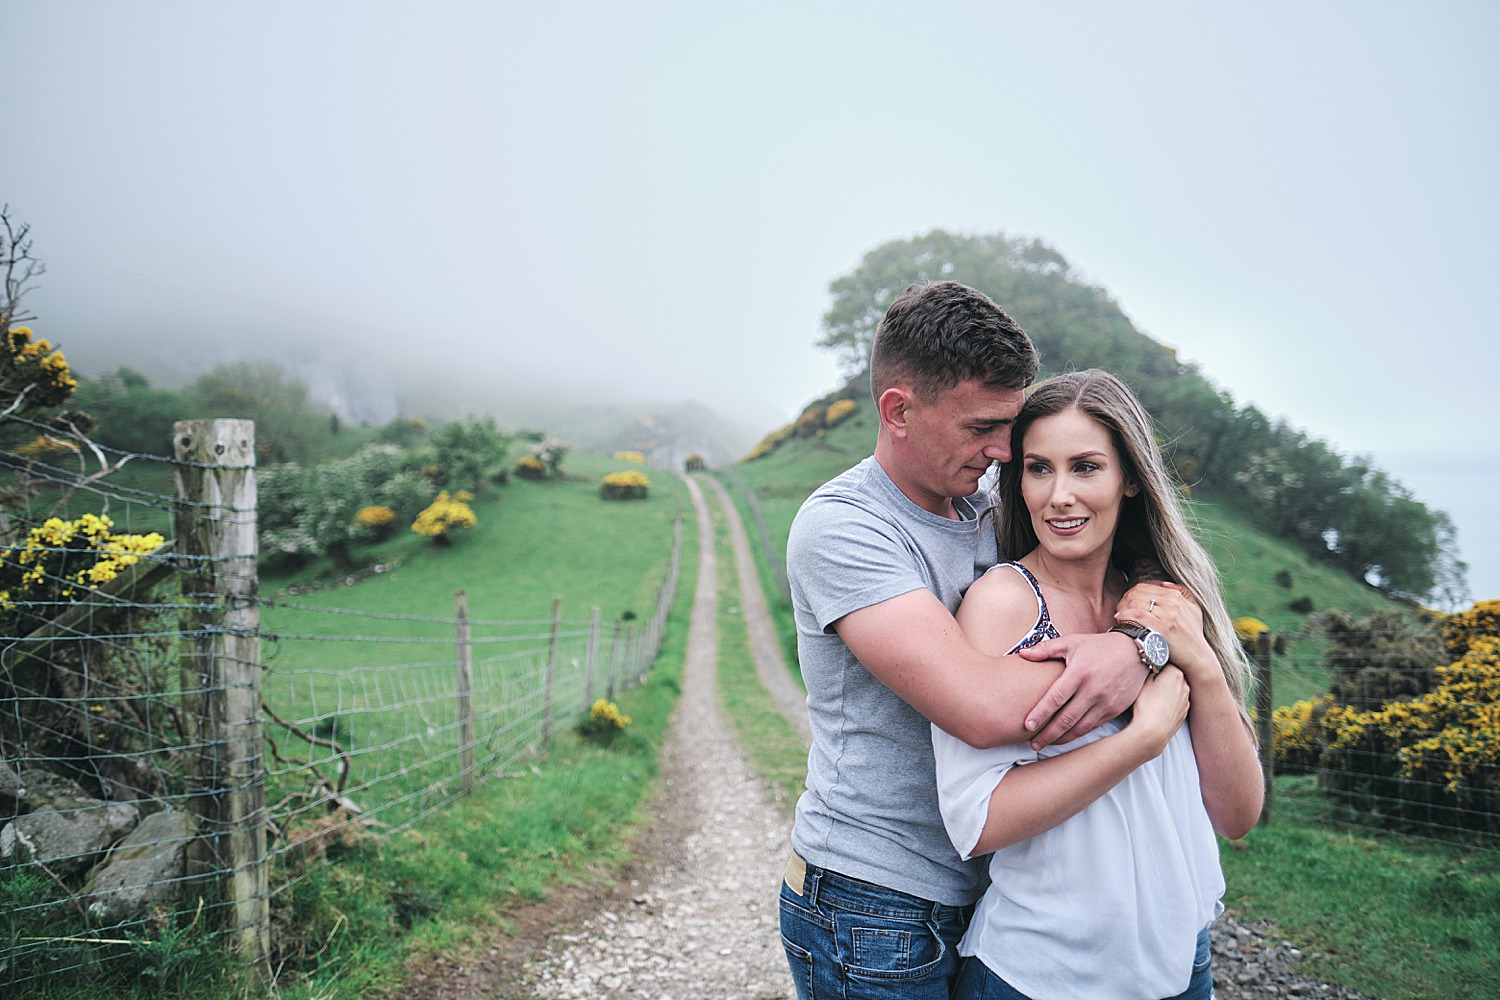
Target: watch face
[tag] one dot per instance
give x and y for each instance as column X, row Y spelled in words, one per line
column 1154, row 645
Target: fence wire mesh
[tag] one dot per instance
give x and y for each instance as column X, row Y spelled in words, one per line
column 111, row 745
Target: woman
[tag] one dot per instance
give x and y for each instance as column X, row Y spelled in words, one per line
column 1105, row 872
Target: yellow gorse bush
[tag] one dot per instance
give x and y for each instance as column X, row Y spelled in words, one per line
column 27, row 363
column 1435, row 755
column 631, row 484
column 604, row 722
column 47, row 446
column 445, row 514
column 629, row 477
column 839, row 410
column 1461, row 628
column 59, row 556
column 1296, row 736
column 770, row 442
column 608, row 713
column 374, row 517
column 1247, row 630
column 630, row 456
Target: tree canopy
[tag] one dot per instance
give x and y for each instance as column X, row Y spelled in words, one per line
column 1340, row 509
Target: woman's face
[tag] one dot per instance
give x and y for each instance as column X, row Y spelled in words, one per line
column 1072, row 482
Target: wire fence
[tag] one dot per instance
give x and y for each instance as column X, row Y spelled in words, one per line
column 176, row 751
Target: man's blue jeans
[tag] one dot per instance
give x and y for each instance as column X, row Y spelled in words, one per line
column 848, row 939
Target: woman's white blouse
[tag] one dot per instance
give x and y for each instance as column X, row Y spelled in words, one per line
column 1107, row 904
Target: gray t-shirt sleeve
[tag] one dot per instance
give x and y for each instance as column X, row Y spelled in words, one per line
column 843, row 555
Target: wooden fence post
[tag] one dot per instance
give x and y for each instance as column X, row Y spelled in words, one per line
column 591, row 660
column 632, row 644
column 1265, row 706
column 465, row 691
column 551, row 674
column 215, row 521
column 616, row 650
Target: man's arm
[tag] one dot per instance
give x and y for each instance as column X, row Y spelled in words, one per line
column 915, row 647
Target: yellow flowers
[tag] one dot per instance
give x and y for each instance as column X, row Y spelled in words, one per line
column 46, row 566
column 32, row 366
column 47, row 446
column 377, row 516
column 1296, row 734
column 445, row 514
column 1247, row 630
column 608, row 713
column 375, row 522
column 531, row 467
column 629, row 456
column 839, row 410
column 604, row 722
column 1434, row 758
column 1460, row 629
column 631, row 484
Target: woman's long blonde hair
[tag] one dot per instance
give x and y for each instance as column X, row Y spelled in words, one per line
column 1153, row 523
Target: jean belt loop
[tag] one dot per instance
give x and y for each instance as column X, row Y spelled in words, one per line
column 811, row 884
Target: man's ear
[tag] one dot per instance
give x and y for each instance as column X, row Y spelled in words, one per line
column 893, row 406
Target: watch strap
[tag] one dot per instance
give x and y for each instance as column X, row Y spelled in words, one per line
column 1138, row 632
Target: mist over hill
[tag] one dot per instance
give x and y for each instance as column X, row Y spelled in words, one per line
column 362, row 388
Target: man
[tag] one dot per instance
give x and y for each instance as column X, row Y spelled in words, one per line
column 875, row 897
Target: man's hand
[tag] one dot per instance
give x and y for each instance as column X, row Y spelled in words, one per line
column 1103, row 676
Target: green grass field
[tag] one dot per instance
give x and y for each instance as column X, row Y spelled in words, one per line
column 372, row 664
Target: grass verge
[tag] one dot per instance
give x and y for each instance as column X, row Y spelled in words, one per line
column 1389, row 916
column 774, row 748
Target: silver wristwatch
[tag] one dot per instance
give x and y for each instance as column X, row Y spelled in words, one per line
column 1153, row 645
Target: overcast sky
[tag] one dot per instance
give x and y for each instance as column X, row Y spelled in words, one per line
column 650, row 199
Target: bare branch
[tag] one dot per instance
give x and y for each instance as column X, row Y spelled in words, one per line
column 20, row 268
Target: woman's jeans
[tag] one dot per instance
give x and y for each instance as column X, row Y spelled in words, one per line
column 848, row 939
column 977, row 982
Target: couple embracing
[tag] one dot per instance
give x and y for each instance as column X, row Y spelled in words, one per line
column 1020, row 754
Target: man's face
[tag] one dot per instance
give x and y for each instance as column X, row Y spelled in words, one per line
column 953, row 438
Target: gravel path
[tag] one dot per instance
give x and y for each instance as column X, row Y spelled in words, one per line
column 706, row 923
column 697, row 917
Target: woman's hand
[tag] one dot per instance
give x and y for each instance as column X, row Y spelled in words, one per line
column 1160, row 709
column 1170, row 609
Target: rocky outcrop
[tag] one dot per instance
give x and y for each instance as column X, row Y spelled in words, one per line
column 131, row 864
column 62, row 825
column 144, row 870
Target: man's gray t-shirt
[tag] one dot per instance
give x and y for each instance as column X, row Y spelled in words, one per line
column 870, row 810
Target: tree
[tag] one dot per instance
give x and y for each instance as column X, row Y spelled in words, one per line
column 1298, row 487
column 469, row 449
column 132, row 415
column 286, row 420
column 1074, row 324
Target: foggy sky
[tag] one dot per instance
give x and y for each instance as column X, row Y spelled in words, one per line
column 649, row 200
